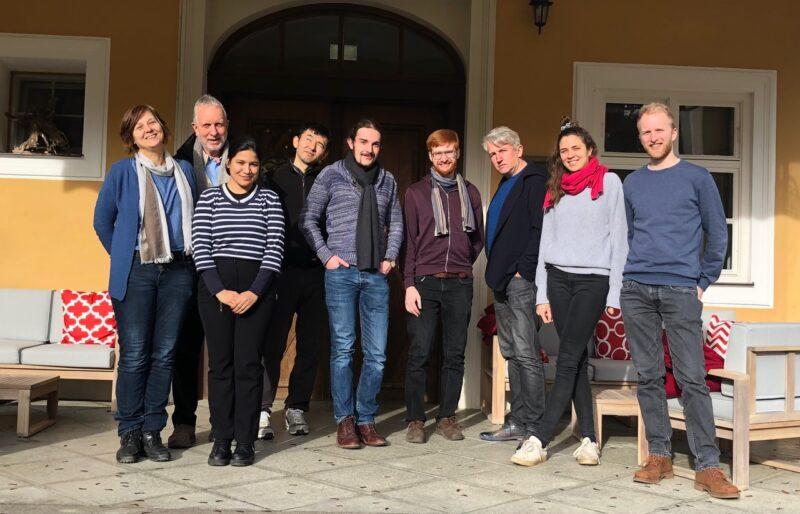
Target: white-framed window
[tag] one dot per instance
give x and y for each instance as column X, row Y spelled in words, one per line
column 55, row 89
column 726, row 123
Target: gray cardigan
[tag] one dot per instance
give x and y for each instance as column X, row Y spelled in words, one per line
column 335, row 198
column 583, row 236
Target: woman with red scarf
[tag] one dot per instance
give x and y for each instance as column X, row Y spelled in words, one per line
column 582, row 253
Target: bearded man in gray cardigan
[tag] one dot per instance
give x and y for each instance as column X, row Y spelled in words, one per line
column 359, row 244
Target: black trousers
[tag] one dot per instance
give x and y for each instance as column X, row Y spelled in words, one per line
column 188, row 354
column 450, row 299
column 300, row 291
column 235, row 344
column 576, row 302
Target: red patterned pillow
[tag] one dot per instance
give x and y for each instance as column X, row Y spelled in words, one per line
column 609, row 338
column 88, row 318
column 717, row 334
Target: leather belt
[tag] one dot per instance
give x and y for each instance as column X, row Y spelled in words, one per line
column 444, row 274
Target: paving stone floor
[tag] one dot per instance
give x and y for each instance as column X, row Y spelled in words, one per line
column 70, row 467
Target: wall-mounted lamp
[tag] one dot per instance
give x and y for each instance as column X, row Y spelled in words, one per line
column 541, row 8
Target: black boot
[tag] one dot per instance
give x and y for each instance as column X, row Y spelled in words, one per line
column 154, row 448
column 220, row 453
column 244, row 455
column 130, row 447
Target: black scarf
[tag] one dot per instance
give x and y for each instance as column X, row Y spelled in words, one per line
column 368, row 227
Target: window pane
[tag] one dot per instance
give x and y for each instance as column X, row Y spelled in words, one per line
column 259, row 48
column 706, row 130
column 69, row 98
column 308, row 42
column 724, row 183
column 34, row 96
column 621, row 133
column 728, row 262
column 422, row 57
column 377, row 44
column 622, row 173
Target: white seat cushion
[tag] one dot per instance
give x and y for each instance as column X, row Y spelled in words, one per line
column 550, row 369
column 25, row 314
column 723, row 405
column 10, row 348
column 606, row 370
column 69, row 356
column 56, row 318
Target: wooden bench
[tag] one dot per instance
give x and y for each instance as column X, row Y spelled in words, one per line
column 25, row 389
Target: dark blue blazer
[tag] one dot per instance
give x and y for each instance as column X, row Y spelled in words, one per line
column 515, row 248
column 116, row 219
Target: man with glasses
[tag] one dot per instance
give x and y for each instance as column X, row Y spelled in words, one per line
column 443, row 221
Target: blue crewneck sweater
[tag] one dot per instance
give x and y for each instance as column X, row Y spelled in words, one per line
column 669, row 212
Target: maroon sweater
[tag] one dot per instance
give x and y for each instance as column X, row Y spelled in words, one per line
column 425, row 254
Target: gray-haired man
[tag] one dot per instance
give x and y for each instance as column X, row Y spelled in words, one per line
column 207, row 150
column 513, row 228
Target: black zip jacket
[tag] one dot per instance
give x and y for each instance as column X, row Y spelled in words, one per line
column 292, row 188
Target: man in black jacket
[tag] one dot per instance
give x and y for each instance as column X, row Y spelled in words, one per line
column 300, row 286
column 513, row 229
column 207, row 151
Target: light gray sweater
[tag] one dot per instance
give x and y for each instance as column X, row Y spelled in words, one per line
column 584, row 236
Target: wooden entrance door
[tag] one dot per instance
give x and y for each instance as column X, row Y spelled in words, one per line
column 403, row 153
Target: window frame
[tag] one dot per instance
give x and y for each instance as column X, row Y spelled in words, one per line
column 60, row 54
column 750, row 281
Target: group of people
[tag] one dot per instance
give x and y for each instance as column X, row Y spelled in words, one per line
column 207, row 246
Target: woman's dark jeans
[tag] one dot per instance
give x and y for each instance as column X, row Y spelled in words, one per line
column 149, row 321
column 576, row 302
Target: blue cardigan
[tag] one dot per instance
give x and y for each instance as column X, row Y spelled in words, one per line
column 116, row 219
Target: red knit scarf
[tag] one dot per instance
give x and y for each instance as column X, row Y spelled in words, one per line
column 573, row 183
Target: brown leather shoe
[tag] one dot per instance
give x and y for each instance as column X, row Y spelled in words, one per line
column 715, row 483
column 415, row 432
column 449, row 429
column 346, row 436
column 182, row 437
column 369, row 436
column 656, row 468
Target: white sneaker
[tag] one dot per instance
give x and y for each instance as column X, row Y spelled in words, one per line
column 587, row 454
column 530, row 452
column 264, row 427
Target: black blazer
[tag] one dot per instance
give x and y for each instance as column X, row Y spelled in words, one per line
column 515, row 248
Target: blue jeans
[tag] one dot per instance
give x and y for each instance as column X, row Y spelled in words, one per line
column 644, row 309
column 149, row 321
column 350, row 293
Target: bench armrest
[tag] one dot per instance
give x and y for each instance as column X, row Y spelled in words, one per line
column 728, row 374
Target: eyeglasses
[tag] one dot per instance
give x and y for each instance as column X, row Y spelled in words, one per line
column 446, row 153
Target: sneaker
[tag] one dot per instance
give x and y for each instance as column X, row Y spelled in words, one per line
column 296, row 422
column 264, row 428
column 715, row 483
column 530, row 452
column 130, row 447
column 587, row 454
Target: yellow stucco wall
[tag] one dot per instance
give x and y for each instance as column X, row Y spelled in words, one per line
column 533, row 81
column 46, row 225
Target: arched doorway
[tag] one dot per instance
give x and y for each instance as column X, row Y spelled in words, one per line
column 336, row 63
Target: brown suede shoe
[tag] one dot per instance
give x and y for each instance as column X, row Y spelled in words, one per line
column 369, row 436
column 415, row 432
column 656, row 468
column 449, row 429
column 346, row 436
column 715, row 483
column 182, row 437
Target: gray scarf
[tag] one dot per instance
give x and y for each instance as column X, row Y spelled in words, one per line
column 153, row 233
column 368, row 228
column 467, row 216
column 199, row 163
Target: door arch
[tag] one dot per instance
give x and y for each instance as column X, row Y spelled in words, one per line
column 335, row 63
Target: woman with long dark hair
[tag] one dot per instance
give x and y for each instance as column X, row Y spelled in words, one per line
column 237, row 232
column 143, row 219
column 581, row 256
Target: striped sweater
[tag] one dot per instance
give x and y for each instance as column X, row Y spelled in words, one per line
column 334, row 202
column 251, row 228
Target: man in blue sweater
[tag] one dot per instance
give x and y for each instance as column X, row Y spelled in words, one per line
column 352, row 220
column 671, row 207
